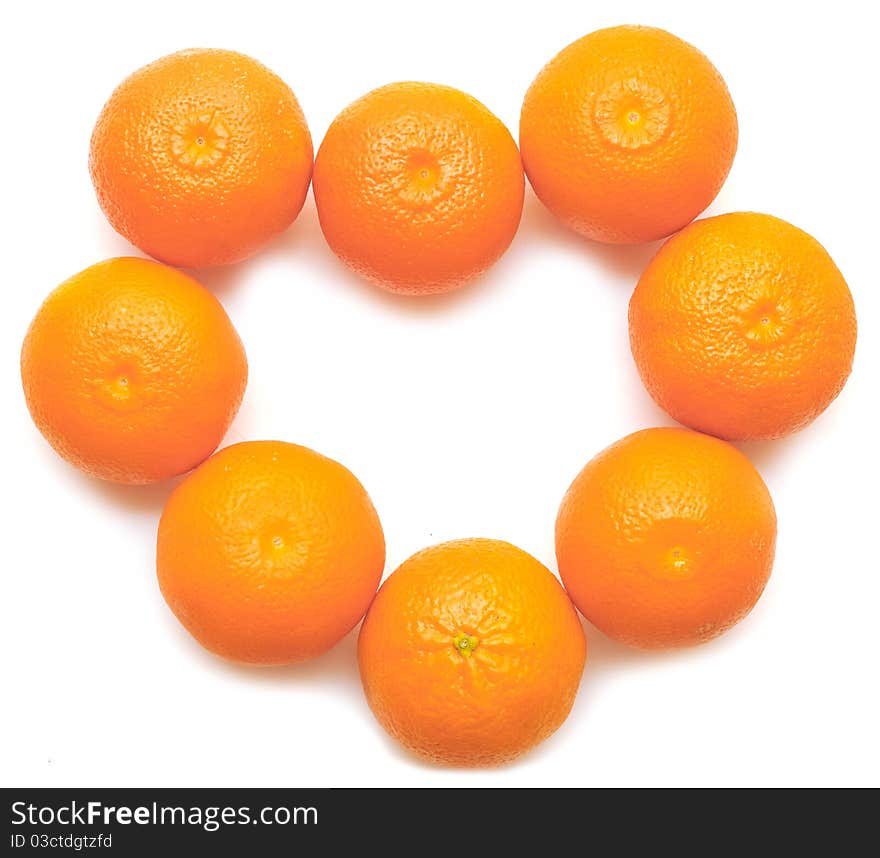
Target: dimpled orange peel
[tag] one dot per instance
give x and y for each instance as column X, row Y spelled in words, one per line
column 419, row 187
column 132, row 371
column 666, row 538
column 201, row 157
column 471, row 653
column 269, row 553
column 742, row 326
column 628, row 134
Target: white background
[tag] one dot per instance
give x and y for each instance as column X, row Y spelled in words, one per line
column 465, row 415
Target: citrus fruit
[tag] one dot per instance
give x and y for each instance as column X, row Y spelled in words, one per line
column 471, row 653
column 666, row 538
column 201, row 157
column 269, row 553
column 628, row 134
column 743, row 327
column 419, row 188
column 132, row 371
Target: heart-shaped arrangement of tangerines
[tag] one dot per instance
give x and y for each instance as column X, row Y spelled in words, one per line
column 471, row 652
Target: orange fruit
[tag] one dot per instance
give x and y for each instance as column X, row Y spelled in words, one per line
column 201, row 157
column 471, row 653
column 628, row 134
column 132, row 371
column 743, row 327
column 666, row 538
column 419, row 188
column 269, row 553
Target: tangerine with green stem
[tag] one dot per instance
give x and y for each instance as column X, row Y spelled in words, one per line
column 471, row 653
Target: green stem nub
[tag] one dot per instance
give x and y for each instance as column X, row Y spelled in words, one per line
column 465, row 644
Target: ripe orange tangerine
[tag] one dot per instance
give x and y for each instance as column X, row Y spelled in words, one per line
column 666, row 538
column 471, row 653
column 201, row 157
column 132, row 371
column 628, row 134
column 419, row 187
column 269, row 553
